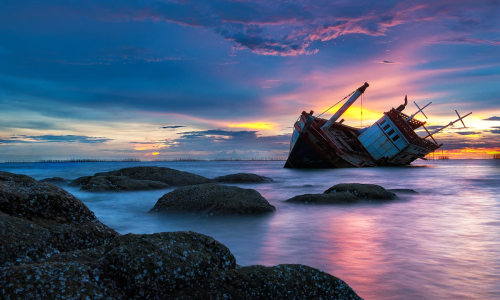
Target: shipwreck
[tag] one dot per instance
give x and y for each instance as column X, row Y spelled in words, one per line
column 391, row 141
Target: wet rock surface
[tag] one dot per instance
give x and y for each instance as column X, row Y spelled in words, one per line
column 260, row 282
column 334, row 198
column 363, row 191
column 155, row 265
column 118, row 183
column 213, row 199
column 40, row 219
column 243, row 178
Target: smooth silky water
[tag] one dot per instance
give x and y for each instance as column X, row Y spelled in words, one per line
column 442, row 244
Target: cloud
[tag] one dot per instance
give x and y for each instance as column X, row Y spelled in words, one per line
column 492, row 119
column 468, row 40
column 469, row 132
column 495, row 131
column 173, row 126
column 54, row 139
column 386, row 62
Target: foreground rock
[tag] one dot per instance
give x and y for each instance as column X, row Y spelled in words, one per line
column 243, row 178
column 40, row 219
column 259, row 282
column 170, row 265
column 117, row 183
column 138, row 178
column 213, row 199
column 53, row 247
column 334, row 198
column 155, row 265
column 363, row 191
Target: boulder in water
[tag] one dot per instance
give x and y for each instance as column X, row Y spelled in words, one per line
column 334, row 198
column 162, row 174
column 243, row 178
column 213, row 199
column 363, row 191
column 118, row 183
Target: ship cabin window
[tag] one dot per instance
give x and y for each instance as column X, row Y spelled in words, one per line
column 382, row 122
column 386, row 127
column 390, row 132
column 395, row 138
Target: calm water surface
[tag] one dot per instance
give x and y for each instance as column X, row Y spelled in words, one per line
column 442, row 244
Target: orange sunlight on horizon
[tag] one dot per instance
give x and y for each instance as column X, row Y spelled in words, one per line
column 257, row 125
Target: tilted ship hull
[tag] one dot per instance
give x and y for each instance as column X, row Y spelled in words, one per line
column 391, row 141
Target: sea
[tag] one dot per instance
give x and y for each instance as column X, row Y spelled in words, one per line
column 443, row 243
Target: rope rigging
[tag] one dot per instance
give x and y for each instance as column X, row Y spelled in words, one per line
column 336, row 104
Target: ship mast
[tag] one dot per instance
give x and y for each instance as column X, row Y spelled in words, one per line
column 346, row 105
column 451, row 123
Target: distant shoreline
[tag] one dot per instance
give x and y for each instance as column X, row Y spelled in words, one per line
column 135, row 160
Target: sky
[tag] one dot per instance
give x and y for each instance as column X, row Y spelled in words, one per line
column 227, row 79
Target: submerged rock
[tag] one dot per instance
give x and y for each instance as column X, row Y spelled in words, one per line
column 162, row 174
column 334, row 198
column 118, row 183
column 403, row 191
column 152, row 266
column 260, row 282
column 243, row 178
column 213, row 199
column 363, row 191
column 55, row 180
column 39, row 219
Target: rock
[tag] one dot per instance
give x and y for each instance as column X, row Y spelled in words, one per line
column 55, row 281
column 243, row 178
column 403, row 191
column 165, row 175
column 260, row 282
column 213, row 199
column 363, row 191
column 40, row 219
column 55, row 180
column 153, row 266
column 118, row 183
column 333, row 198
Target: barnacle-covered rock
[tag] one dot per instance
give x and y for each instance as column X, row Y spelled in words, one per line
column 364, row 191
column 334, row 198
column 72, row 280
column 40, row 219
column 260, row 282
column 117, row 183
column 153, row 266
column 243, row 178
column 162, row 174
column 213, row 199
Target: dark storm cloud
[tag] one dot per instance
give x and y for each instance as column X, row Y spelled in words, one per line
column 473, row 41
column 173, row 126
column 492, row 119
column 55, row 139
column 282, row 27
column 468, row 132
